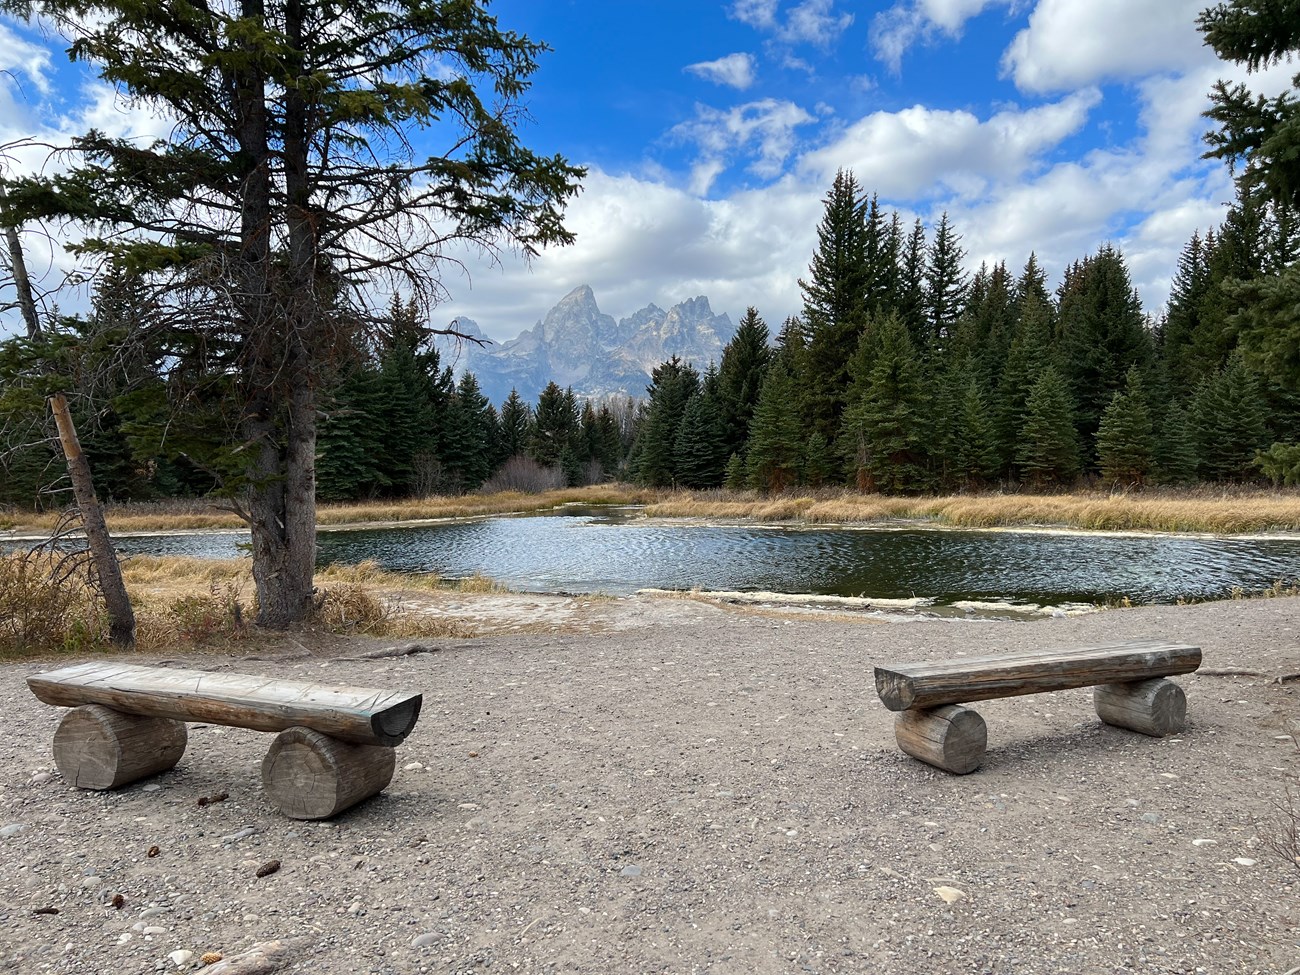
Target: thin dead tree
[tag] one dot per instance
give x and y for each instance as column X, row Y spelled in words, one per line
column 103, row 554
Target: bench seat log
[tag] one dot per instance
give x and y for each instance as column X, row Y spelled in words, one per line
column 931, row 685
column 359, row 715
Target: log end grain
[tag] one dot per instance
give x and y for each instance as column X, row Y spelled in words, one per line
column 1153, row 707
column 951, row 737
column 98, row 748
column 309, row 775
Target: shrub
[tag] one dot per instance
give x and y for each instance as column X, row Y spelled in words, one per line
column 48, row 604
column 521, row 473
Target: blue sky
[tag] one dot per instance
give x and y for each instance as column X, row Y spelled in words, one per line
column 713, row 129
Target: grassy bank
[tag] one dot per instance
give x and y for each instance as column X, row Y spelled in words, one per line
column 1226, row 511
column 184, row 604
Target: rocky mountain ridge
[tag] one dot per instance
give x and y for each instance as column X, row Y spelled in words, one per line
column 578, row 345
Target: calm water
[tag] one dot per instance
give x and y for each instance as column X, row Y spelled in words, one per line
column 613, row 551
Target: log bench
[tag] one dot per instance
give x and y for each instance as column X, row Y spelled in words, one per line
column 335, row 747
column 1128, row 680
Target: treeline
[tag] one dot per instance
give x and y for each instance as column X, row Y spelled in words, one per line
column 905, row 373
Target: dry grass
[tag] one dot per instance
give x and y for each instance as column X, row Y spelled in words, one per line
column 1240, row 511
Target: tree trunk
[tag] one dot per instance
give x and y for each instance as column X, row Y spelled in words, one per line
column 120, row 614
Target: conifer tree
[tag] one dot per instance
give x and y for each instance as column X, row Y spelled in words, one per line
column 911, row 285
column 974, row 457
column 946, row 283
column 516, row 425
column 1228, row 423
column 1175, row 447
column 889, row 417
column 673, row 384
column 740, row 377
column 1030, row 352
column 555, row 424
column 469, row 438
column 835, row 300
column 735, row 477
column 776, row 439
column 1103, row 334
column 699, row 452
column 1048, row 449
column 351, row 437
column 1125, row 437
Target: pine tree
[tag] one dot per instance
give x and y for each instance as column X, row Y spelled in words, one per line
column 350, row 439
column 555, row 424
column 945, row 284
column 516, row 425
column 835, row 300
column 740, row 377
column 1103, row 335
column 1176, row 461
column 1048, row 450
column 911, row 284
column 974, row 457
column 1228, row 423
column 735, row 476
column 888, row 419
column 673, row 384
column 699, row 451
column 468, row 438
column 776, row 438
column 1125, row 437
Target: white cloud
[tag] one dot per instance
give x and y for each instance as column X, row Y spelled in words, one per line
column 734, row 70
column 765, row 129
column 895, row 30
column 921, row 152
column 21, row 56
column 1071, row 43
column 811, row 22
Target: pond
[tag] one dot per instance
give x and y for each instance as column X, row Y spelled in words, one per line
column 617, row 551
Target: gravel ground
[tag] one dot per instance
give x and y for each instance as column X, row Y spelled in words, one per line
column 719, row 792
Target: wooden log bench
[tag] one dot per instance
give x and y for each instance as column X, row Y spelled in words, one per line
column 1128, row 680
column 335, row 747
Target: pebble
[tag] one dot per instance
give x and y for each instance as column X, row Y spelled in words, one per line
column 631, row 870
column 90, row 882
column 154, row 929
column 151, row 787
column 412, row 767
column 1205, row 842
column 40, row 778
column 181, row 957
column 244, row 833
column 1151, row 818
column 424, row 940
column 950, row 895
column 13, row 829
column 153, row 911
column 1244, row 861
column 124, row 937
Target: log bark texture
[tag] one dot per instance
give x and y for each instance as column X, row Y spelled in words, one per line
column 308, row 775
column 950, row 737
column 362, row 715
column 98, row 748
column 930, row 685
column 1154, row 707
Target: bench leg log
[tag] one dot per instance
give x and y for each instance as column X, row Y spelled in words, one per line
column 308, row 775
column 1154, row 707
column 98, row 748
column 951, row 737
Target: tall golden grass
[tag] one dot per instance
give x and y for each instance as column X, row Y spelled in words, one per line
column 1226, row 511
column 1240, row 511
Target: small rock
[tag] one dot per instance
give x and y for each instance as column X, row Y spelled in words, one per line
column 181, row 957
column 891, row 872
column 1151, row 818
column 151, row 787
column 40, row 778
column 13, row 829
column 631, row 870
column 412, row 767
column 1244, row 861
column 1205, row 842
column 950, row 895
column 124, row 937
column 1168, row 775
column 154, row 911
column 242, row 834
column 90, row 881
column 424, row 940
column 153, row 929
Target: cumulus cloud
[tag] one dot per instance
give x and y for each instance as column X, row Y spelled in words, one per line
column 763, row 130
column 734, row 70
column 895, row 30
column 814, row 22
column 922, row 152
column 1071, row 43
column 21, row 56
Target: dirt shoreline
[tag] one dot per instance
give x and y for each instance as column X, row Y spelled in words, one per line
column 674, row 786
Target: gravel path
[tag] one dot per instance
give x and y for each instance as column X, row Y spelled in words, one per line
column 715, row 793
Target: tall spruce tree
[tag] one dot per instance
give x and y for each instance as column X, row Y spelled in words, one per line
column 1126, row 436
column 1228, row 422
column 776, row 440
column 672, row 385
column 946, row 283
column 740, row 377
column 835, row 301
column 1047, row 453
column 516, row 425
